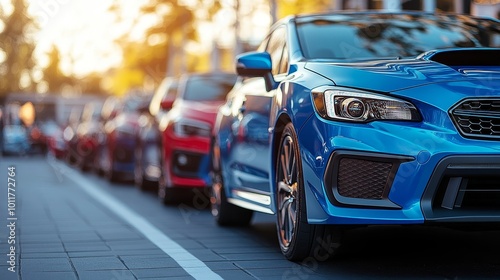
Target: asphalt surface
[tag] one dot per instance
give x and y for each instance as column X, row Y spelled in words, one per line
column 72, row 225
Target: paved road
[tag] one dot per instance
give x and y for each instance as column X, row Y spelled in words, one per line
column 72, row 225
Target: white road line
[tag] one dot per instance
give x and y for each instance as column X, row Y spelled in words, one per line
column 186, row 260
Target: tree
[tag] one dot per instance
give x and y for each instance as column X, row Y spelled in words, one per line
column 174, row 28
column 161, row 52
column 92, row 84
column 17, row 48
column 52, row 73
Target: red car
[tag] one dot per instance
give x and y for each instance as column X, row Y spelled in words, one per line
column 186, row 131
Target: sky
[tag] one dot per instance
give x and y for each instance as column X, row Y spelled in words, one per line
column 84, row 31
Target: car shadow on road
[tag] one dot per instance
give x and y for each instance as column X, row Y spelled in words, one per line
column 418, row 252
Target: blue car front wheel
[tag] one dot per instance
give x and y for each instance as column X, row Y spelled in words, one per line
column 297, row 238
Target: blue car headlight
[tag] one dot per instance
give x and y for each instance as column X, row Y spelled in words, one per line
column 357, row 106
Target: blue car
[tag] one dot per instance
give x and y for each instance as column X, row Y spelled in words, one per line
column 361, row 118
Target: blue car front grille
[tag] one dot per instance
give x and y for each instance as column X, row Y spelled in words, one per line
column 464, row 188
column 478, row 118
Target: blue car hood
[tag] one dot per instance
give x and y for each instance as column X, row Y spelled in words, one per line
column 395, row 74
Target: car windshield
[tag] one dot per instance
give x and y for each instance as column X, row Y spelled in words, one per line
column 366, row 36
column 208, row 88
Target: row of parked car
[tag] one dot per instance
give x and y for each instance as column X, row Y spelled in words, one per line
column 338, row 120
column 160, row 140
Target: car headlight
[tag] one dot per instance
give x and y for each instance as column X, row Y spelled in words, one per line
column 356, row 106
column 187, row 128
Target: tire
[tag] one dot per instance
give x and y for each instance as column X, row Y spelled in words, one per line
column 225, row 213
column 110, row 173
column 167, row 194
column 138, row 172
column 97, row 168
column 140, row 180
column 83, row 165
column 174, row 195
column 297, row 238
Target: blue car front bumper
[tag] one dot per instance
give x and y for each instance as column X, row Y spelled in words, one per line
column 397, row 173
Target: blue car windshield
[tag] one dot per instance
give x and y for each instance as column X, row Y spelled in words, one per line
column 208, row 88
column 367, row 36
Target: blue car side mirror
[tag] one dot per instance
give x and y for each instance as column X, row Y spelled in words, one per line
column 256, row 64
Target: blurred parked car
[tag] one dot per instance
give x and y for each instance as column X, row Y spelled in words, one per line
column 87, row 133
column 116, row 156
column 56, row 146
column 40, row 133
column 69, row 134
column 186, row 133
column 147, row 152
column 371, row 118
column 1, row 126
column 15, row 140
column 110, row 109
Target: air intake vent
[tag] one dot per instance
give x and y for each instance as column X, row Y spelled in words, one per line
column 465, row 57
column 363, row 178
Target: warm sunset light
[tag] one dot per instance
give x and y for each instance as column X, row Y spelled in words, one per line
column 125, row 40
column 75, row 47
column 249, row 139
column 27, row 113
column 84, row 32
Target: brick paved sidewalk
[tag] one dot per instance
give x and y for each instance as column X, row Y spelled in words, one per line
column 62, row 233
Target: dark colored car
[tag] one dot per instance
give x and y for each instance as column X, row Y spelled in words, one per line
column 47, row 135
column 147, row 153
column 116, row 156
column 355, row 119
column 186, row 130
column 110, row 109
column 87, row 135
column 69, row 134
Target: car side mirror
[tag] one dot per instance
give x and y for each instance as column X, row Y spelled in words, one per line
column 256, row 64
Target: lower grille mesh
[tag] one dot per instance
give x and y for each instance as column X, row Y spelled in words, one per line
column 362, row 178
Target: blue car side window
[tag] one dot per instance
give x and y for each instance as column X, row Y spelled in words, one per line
column 276, row 48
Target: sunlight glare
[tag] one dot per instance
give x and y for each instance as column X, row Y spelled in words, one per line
column 3, row 56
column 6, row 7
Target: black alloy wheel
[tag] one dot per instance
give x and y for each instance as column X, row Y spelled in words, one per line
column 297, row 238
